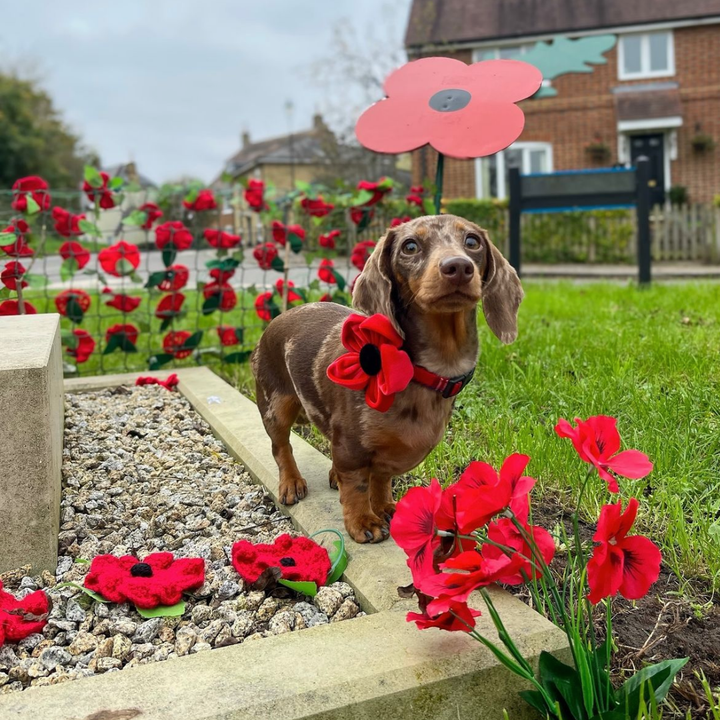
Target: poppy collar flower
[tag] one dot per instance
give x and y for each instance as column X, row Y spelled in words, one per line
column 298, row 559
column 597, row 442
column 20, row 618
column 463, row 111
column 628, row 565
column 374, row 361
column 159, row 579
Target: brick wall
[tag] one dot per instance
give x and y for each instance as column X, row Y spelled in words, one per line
column 584, row 110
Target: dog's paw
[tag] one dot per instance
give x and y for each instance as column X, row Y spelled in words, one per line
column 367, row 528
column 385, row 511
column 333, row 478
column 292, row 490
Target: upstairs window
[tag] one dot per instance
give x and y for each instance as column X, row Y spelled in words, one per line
column 646, row 55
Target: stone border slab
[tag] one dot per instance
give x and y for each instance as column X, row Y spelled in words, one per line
column 369, row 668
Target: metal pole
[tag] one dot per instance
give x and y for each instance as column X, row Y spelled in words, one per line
column 515, row 215
column 643, row 221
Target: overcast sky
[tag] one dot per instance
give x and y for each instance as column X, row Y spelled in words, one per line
column 171, row 83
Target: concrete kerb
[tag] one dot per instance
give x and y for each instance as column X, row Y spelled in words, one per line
column 374, row 667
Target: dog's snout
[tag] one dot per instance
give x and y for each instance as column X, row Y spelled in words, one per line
column 458, row 270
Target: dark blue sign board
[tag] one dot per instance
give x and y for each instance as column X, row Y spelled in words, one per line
column 578, row 190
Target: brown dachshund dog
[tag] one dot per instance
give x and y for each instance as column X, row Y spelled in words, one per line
column 427, row 276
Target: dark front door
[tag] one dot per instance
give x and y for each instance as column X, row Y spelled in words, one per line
column 652, row 147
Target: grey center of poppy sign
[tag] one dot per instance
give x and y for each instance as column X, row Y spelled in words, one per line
column 450, row 100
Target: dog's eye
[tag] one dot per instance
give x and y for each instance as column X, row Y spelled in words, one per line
column 410, row 247
column 472, row 242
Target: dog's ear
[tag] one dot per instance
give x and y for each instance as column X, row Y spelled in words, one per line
column 373, row 291
column 502, row 293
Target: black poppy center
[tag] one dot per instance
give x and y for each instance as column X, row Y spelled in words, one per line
column 288, row 562
column 450, row 100
column 370, row 360
column 141, row 570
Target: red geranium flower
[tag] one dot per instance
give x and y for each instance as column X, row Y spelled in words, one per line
column 73, row 249
column 13, row 273
column 254, row 195
column 34, row 186
column 262, row 302
column 416, row 196
column 130, row 331
column 119, row 259
column 176, row 277
column 228, row 335
column 316, row 207
column 79, row 296
column 463, row 111
column 379, row 189
column 457, row 618
column 153, row 213
column 106, row 197
column 121, row 302
column 291, row 294
column 358, row 214
column 504, row 532
column 597, row 442
column 221, row 239
column 228, row 298
column 325, row 271
column 12, row 307
column 84, row 348
column 328, row 239
column 628, row 565
column 298, row 559
column 19, row 247
column 175, row 233
column 159, row 579
column 374, row 361
column 66, row 224
column 280, row 232
column 173, row 344
column 400, row 221
column 169, row 306
column 20, row 618
column 205, row 200
column 265, row 254
column 360, row 253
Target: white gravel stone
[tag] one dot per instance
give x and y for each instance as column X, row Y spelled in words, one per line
column 328, row 600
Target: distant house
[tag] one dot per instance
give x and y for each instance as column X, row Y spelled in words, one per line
column 313, row 155
column 658, row 94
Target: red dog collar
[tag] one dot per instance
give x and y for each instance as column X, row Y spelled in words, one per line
column 375, row 362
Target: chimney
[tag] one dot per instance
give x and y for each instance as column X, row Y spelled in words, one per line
column 318, row 123
column 245, row 137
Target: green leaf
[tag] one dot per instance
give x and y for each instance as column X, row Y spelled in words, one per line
column 364, row 196
column 4, row 293
column 169, row 254
column 660, row 678
column 295, row 241
column 211, row 304
column 124, row 267
column 89, row 228
column 535, row 699
column 74, row 311
column 32, row 207
column 143, row 326
column 239, row 334
column 36, row 281
column 238, row 357
column 93, row 177
column 156, row 278
column 277, row 264
column 238, row 255
column 68, row 269
column 429, row 206
column 120, row 341
column 136, row 217
column 166, row 323
column 339, row 560
column 69, row 339
column 340, row 298
column 562, row 684
column 7, row 237
column 314, row 285
column 162, row 610
column 339, row 279
column 365, row 220
column 224, row 264
column 155, row 362
column 200, row 285
column 193, row 341
column 91, row 593
column 306, row 588
column 116, row 183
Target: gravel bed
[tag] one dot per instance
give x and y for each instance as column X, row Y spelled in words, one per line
column 143, row 473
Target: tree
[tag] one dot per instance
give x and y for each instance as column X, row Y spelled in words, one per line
column 34, row 140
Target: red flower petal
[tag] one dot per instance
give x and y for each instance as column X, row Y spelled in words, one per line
column 641, row 567
column 631, row 464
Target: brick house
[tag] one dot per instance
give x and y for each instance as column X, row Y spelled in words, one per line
column 657, row 95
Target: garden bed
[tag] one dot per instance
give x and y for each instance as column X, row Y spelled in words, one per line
column 142, row 473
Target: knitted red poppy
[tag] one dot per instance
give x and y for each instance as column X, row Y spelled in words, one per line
column 170, row 383
column 158, row 580
column 14, row 622
column 374, row 361
column 299, row 559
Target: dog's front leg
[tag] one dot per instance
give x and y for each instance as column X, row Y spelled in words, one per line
column 381, row 497
column 361, row 522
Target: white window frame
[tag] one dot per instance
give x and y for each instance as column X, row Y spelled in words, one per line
column 645, row 71
column 526, row 147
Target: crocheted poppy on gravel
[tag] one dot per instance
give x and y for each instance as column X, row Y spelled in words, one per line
column 15, row 622
column 299, row 559
column 159, row 579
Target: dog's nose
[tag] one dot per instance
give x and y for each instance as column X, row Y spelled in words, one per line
column 458, row 270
